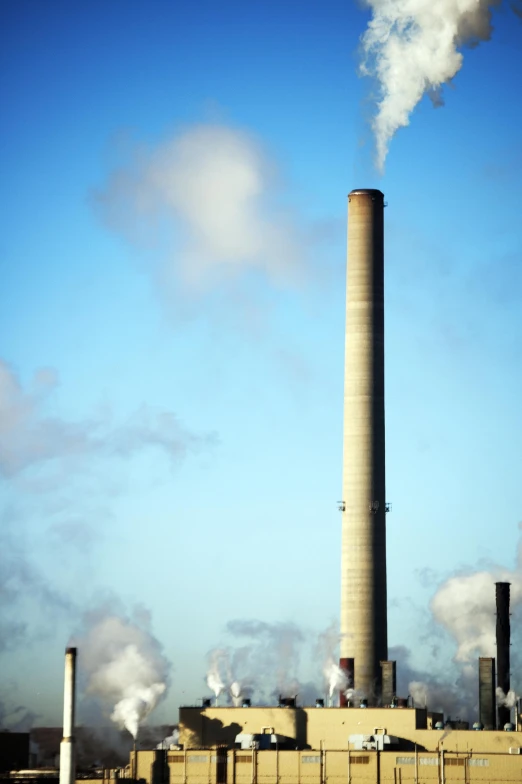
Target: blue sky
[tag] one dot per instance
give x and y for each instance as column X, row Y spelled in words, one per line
column 229, row 511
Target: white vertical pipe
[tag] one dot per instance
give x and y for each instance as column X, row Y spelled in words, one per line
column 67, row 750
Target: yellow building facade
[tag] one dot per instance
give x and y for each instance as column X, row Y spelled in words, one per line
column 331, row 728
column 327, row 749
column 229, row 766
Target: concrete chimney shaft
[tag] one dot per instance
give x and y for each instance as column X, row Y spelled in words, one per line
column 364, row 632
column 67, row 746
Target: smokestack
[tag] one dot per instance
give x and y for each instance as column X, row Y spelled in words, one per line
column 347, row 666
column 389, row 681
column 503, row 643
column 487, row 693
column 67, row 750
column 364, row 627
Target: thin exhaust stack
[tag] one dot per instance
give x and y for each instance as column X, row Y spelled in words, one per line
column 67, row 746
column 502, row 595
column 364, row 633
column 487, row 700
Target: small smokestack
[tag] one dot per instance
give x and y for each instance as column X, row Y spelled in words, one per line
column 347, row 666
column 67, row 750
column 389, row 681
column 503, row 643
column 487, row 702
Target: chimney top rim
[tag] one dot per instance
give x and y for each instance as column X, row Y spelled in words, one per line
column 366, row 192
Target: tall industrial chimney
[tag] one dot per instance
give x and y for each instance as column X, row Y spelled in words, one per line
column 503, row 643
column 67, row 746
column 364, row 632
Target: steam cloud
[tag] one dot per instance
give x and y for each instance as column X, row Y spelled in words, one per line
column 507, row 700
column 16, row 718
column 236, row 692
column 269, row 661
column 208, row 195
column 214, row 679
column 464, row 605
column 335, row 678
column 29, row 437
column 170, row 740
column 267, row 658
column 124, row 667
column 327, row 652
column 22, row 581
column 412, row 48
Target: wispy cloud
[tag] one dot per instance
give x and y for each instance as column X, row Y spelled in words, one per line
column 30, row 437
column 210, row 199
column 21, row 582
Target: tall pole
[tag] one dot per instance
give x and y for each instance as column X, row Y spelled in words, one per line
column 364, row 633
column 67, row 746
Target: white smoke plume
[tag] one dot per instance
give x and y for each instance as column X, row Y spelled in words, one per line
column 170, row 740
column 123, row 666
column 354, row 696
column 218, row 660
column 336, row 678
column 451, row 689
column 506, row 700
column 412, row 48
column 270, row 659
column 236, row 692
column 208, row 195
column 465, row 606
column 327, row 652
column 267, row 661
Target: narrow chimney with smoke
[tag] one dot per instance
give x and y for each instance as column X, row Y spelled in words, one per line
column 503, row 643
column 364, row 633
column 67, row 746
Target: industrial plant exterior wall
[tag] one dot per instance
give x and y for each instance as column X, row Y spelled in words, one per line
column 219, row 726
column 330, row 728
column 363, row 569
column 221, row 766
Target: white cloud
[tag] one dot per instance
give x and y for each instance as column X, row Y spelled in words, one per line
column 209, row 197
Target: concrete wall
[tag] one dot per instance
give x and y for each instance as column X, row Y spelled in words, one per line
column 200, row 727
column 331, row 727
column 336, row 767
column 311, row 727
